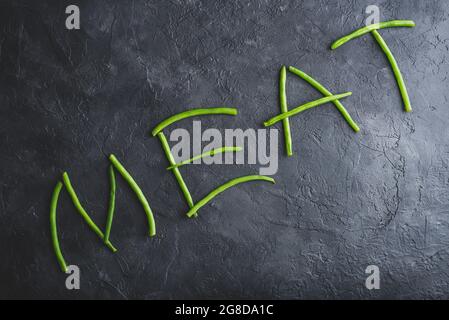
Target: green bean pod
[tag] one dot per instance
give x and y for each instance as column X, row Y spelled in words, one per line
column 223, row 188
column 176, row 172
column 111, row 208
column 135, row 187
column 304, row 107
column 206, row 154
column 82, row 212
column 395, row 68
column 284, row 108
column 376, row 26
column 192, row 113
column 54, row 229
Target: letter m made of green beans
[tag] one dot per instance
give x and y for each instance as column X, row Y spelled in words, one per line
column 104, row 236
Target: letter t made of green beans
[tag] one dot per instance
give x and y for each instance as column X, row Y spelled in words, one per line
column 383, row 45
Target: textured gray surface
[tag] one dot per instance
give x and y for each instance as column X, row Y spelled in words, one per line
column 343, row 202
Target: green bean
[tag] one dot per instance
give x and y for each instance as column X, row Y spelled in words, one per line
column 53, row 227
column 206, row 154
column 192, row 113
column 176, row 171
column 82, row 212
column 135, row 187
column 284, row 108
column 318, row 86
column 396, row 71
column 372, row 27
column 304, row 107
column 223, row 188
column 111, row 208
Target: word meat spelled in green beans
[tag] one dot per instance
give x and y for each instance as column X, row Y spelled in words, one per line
column 134, row 186
column 82, row 212
column 206, row 154
column 111, row 208
column 383, row 45
column 376, row 26
column 192, row 113
column 53, row 227
column 284, row 108
column 304, row 107
column 318, row 86
column 223, row 188
column 283, row 116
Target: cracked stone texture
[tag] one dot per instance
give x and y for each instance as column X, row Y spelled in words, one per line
column 343, row 202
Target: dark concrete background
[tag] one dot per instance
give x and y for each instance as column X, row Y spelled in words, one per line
column 343, row 202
